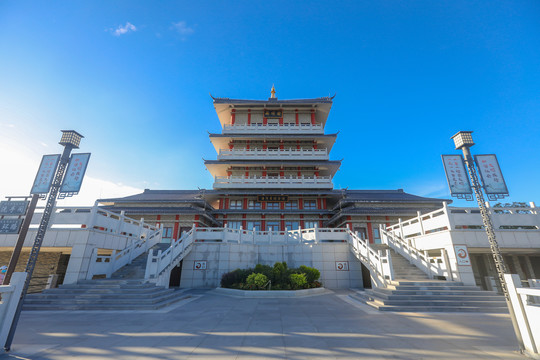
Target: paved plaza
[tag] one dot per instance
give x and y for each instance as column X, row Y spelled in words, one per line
column 213, row 326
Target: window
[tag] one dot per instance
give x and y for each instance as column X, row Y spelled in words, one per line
column 234, row 224
column 272, row 226
column 310, row 204
column 273, row 205
column 254, row 225
column 310, row 224
column 235, row 204
column 254, row 204
column 290, row 205
column 292, row 225
column 167, row 232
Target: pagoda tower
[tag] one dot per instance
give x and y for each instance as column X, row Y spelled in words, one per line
column 273, row 144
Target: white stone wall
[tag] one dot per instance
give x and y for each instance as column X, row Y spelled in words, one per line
column 224, row 257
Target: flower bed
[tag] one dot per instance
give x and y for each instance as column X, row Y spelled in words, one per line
column 278, row 277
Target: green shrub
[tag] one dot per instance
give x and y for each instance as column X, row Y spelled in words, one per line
column 265, row 270
column 257, row 280
column 312, row 274
column 237, row 276
column 298, row 280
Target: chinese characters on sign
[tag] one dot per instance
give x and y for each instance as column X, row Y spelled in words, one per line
column 44, row 177
column 13, row 207
column 462, row 255
column 456, row 174
column 75, row 173
column 273, row 113
column 262, row 198
column 491, row 174
column 10, row 226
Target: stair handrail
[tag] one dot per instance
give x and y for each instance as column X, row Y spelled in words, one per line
column 108, row 264
column 378, row 262
column 157, row 264
column 433, row 266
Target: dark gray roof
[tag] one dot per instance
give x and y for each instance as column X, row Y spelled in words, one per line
column 161, row 195
column 386, row 195
column 327, row 99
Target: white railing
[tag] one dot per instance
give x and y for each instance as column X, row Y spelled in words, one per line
column 524, row 302
column 433, row 266
column 377, row 261
column 273, row 128
column 108, row 264
column 10, row 295
column 276, row 154
column 222, row 182
column 158, row 265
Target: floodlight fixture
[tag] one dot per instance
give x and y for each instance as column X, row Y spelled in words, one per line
column 71, row 138
column 463, row 139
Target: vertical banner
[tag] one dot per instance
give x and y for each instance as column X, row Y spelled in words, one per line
column 75, row 173
column 456, row 175
column 45, row 174
column 462, row 255
column 491, row 175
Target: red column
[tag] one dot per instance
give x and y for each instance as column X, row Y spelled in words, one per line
column 281, row 121
column 231, row 146
column 281, row 173
column 175, row 229
column 324, row 203
column 265, row 121
column 226, row 205
column 297, row 122
column 196, row 221
column 318, row 203
column 300, row 204
column 297, row 144
column 301, row 219
column 247, row 144
column 299, row 172
column 312, row 117
column 233, row 116
column 281, row 144
column 157, row 220
column 263, row 222
column 315, row 145
column 245, row 203
column 264, row 172
column 387, row 221
column 265, row 145
column 244, row 221
column 282, row 225
column 369, row 230
column 249, row 116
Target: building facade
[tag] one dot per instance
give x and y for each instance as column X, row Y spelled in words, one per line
column 273, row 172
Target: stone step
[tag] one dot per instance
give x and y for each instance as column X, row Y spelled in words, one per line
column 110, row 295
column 440, row 302
column 110, row 301
column 442, row 308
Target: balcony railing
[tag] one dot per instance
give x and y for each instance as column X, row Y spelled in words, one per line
column 273, row 154
column 273, row 129
column 287, row 182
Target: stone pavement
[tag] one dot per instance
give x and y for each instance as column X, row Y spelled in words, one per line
column 215, row 326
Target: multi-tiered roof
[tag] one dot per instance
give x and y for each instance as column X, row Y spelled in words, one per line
column 273, row 144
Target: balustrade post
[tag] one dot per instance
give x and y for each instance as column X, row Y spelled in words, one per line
column 446, row 261
column 148, row 264
column 92, row 266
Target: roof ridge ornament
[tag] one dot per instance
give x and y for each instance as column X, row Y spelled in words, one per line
column 273, row 92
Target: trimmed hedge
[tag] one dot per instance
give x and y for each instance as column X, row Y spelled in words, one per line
column 281, row 277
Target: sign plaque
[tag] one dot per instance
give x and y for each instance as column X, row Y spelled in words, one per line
column 342, row 265
column 280, row 198
column 491, row 175
column 199, row 265
column 45, row 175
column 462, row 255
column 457, row 177
column 13, row 208
column 75, row 173
column 10, row 226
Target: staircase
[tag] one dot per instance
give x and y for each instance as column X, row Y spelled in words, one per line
column 412, row 291
column 125, row 290
column 104, row 294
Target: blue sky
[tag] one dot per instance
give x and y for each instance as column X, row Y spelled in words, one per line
column 134, row 78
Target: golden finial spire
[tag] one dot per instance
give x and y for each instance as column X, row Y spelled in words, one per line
column 273, row 92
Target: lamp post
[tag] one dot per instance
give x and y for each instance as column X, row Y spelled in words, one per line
column 463, row 140
column 70, row 140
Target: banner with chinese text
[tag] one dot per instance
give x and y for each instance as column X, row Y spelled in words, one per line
column 491, row 175
column 75, row 173
column 457, row 177
column 45, row 175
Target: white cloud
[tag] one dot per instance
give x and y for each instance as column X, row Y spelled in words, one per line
column 183, row 29
column 121, row 30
